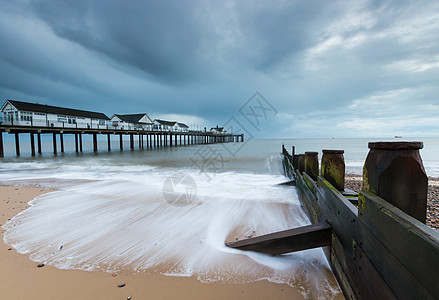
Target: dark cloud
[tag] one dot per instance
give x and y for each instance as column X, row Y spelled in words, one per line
column 315, row 61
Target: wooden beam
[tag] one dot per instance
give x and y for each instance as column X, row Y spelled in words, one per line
column 54, row 143
column 39, row 143
column 2, row 153
column 61, row 138
column 108, row 142
column 121, row 142
column 32, row 144
column 80, row 142
column 291, row 240
column 76, row 143
column 291, row 182
column 17, row 144
column 95, row 142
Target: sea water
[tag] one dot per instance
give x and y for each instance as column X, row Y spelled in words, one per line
column 171, row 210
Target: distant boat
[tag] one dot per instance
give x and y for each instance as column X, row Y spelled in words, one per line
column 398, row 137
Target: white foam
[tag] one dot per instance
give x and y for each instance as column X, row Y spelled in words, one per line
column 120, row 219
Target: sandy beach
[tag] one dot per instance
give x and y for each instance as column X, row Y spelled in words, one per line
column 22, row 278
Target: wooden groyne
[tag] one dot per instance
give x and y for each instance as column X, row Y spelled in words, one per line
column 378, row 245
column 146, row 139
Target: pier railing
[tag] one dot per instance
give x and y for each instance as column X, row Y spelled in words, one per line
column 379, row 247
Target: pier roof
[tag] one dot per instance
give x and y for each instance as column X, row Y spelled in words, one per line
column 182, row 125
column 163, row 122
column 134, row 118
column 49, row 109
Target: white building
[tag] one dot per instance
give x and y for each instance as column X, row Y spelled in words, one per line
column 131, row 122
column 34, row 114
column 181, row 127
column 162, row 125
column 217, row 129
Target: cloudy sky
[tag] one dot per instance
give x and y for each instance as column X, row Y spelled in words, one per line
column 324, row 68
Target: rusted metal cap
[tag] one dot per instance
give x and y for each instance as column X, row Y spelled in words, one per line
column 396, row 145
column 301, row 154
column 333, row 151
column 311, row 153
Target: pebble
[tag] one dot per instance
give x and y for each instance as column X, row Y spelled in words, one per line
column 9, row 249
column 40, row 265
column 355, row 183
column 121, row 285
column 129, row 298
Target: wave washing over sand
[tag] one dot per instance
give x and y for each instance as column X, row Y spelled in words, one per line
column 113, row 217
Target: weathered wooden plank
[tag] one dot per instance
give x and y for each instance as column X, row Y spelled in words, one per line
column 402, row 282
column 415, row 245
column 291, row 240
column 341, row 258
column 2, row 153
column 290, row 183
column 370, row 283
column 340, row 213
column 310, row 183
column 307, row 198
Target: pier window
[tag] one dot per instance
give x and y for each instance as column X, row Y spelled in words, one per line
column 101, row 122
column 26, row 116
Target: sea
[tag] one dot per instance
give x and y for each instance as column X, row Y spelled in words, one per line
column 171, row 210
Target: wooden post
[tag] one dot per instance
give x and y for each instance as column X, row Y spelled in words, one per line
column 32, row 144
column 121, row 142
column 108, row 142
column 333, row 168
column 155, row 140
column 17, row 144
column 2, row 153
column 54, row 143
column 131, row 141
column 95, row 142
column 147, row 140
column 76, row 143
column 140, row 141
column 394, row 171
column 61, row 138
column 80, row 142
column 312, row 164
column 301, row 163
column 170, row 140
column 39, row 143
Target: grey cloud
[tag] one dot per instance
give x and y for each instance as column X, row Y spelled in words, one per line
column 205, row 58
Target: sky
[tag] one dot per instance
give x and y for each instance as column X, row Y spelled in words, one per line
column 270, row 69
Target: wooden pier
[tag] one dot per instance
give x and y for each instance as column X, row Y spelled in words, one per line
column 146, row 139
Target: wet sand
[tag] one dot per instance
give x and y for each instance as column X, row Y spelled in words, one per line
column 21, row 278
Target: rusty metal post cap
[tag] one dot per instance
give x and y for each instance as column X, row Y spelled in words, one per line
column 301, row 154
column 396, row 145
column 333, row 151
column 311, row 153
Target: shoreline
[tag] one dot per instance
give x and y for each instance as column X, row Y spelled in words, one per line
column 355, row 183
column 21, row 277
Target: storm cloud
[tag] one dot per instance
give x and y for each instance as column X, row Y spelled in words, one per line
column 330, row 68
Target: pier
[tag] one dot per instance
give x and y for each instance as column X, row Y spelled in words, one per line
column 146, row 138
column 376, row 240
